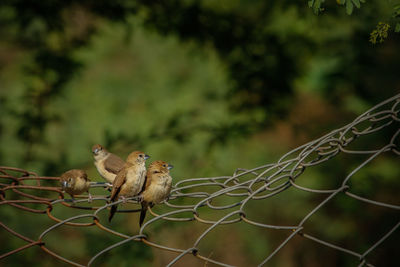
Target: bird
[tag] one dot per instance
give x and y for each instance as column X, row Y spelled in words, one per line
column 75, row 182
column 129, row 181
column 107, row 164
column 157, row 187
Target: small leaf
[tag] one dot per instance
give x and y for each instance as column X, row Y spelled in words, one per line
column 349, row 7
column 316, row 5
column 341, row 2
column 380, row 33
column 357, row 3
column 397, row 27
column 396, row 12
column 362, row 1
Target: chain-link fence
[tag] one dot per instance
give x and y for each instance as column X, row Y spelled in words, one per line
column 192, row 198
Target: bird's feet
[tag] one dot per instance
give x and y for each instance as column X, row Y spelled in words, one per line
column 90, row 198
column 109, row 187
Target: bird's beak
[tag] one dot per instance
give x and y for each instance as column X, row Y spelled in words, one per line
column 64, row 184
column 170, row 166
column 146, row 157
column 95, row 151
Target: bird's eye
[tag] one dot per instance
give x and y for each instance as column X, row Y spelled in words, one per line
column 141, row 155
column 69, row 179
column 164, row 165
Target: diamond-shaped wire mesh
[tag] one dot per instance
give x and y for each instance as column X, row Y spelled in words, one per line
column 217, row 201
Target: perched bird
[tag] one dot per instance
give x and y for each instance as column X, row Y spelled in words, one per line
column 107, row 164
column 129, row 181
column 157, row 187
column 75, row 182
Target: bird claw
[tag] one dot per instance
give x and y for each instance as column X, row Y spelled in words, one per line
column 109, row 187
column 90, row 198
column 140, row 199
column 124, row 200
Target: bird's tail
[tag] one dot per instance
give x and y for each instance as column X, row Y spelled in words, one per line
column 143, row 213
column 112, row 212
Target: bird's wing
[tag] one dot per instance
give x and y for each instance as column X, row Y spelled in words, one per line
column 113, row 163
column 85, row 177
column 149, row 178
column 117, row 184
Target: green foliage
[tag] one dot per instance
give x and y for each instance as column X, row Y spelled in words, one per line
column 350, row 4
column 316, row 5
column 380, row 33
column 396, row 17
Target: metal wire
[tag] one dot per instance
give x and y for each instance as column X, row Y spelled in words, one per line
column 190, row 195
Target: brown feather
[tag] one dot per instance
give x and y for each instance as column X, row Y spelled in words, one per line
column 118, row 182
column 148, row 180
column 78, row 181
column 85, row 177
column 113, row 163
column 157, row 186
column 130, row 180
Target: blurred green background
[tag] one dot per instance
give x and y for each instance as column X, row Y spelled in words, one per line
column 208, row 86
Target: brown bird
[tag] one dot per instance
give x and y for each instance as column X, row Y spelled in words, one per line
column 129, row 181
column 75, row 182
column 107, row 164
column 158, row 186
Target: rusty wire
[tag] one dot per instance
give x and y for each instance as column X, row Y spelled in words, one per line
column 252, row 185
